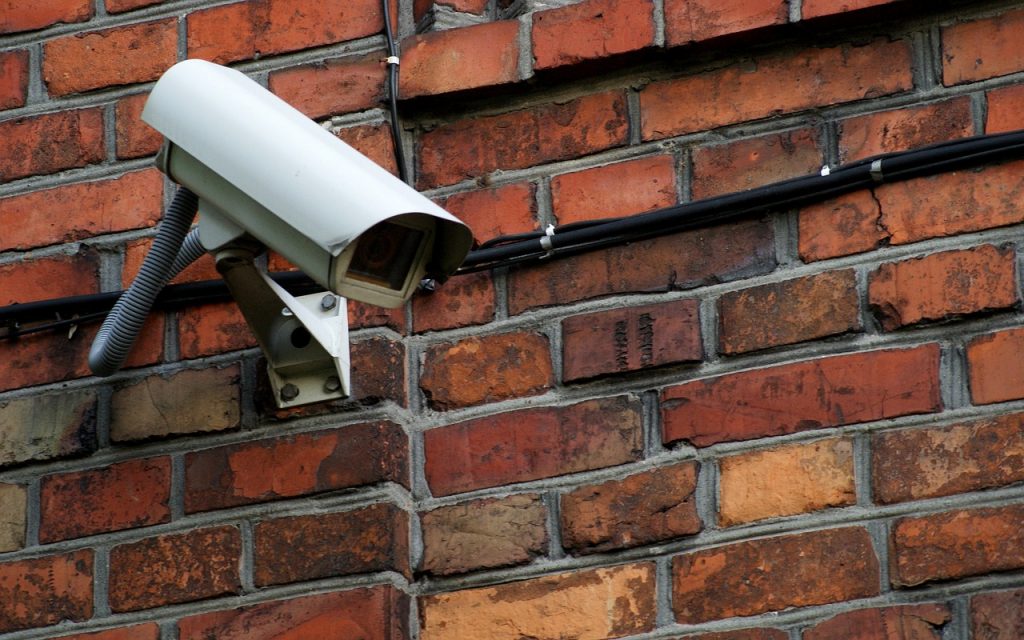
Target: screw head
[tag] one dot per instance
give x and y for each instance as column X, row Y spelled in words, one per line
column 332, row 384
column 289, row 392
column 328, row 302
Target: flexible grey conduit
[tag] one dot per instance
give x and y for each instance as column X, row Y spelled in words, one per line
column 191, row 250
column 119, row 331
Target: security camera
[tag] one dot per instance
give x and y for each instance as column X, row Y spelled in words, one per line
column 265, row 176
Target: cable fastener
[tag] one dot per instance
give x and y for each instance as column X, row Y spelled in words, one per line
column 392, row 60
column 876, row 170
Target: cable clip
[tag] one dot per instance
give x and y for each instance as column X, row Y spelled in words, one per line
column 876, row 170
column 545, row 241
column 392, row 60
column 825, row 170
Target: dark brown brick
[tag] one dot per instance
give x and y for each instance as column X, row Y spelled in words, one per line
column 45, row 591
column 911, row 622
column 460, row 302
column 998, row 616
column 148, row 631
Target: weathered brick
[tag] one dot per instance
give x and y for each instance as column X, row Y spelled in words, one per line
column 496, row 212
column 209, row 329
column 296, row 465
column 825, row 392
column 743, row 634
column 124, row 495
column 788, row 312
column 818, row 475
column 175, row 568
column 81, row 210
column 13, row 503
column 532, row 444
column 481, row 55
column 421, row 7
column 468, row 148
column 226, row 33
column 135, row 138
column 120, row 6
column 689, row 21
column 678, row 261
column 378, row 371
column 374, row 613
column 135, row 252
column 483, row 534
column 614, row 190
column 462, row 301
column 772, row 85
column 911, row 464
column 332, row 87
column 486, row 369
column 745, row 164
column 42, row 427
column 998, row 616
column 45, row 591
column 147, row 631
column 362, row 315
column 842, row 226
column 1005, row 109
column 191, row 401
column 956, row 544
column 28, row 16
column 770, row 574
column 373, row 141
column 942, row 285
column 630, row 339
column 586, row 605
column 591, row 30
column 982, row 49
column 59, row 276
column 300, row 548
column 909, row 622
column 995, row 374
column 50, row 143
column 122, row 55
column 646, row 507
column 902, row 129
column 13, row 78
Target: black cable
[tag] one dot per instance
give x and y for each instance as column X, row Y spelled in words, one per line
column 392, row 62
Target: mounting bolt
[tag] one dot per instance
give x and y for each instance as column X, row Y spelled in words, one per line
column 328, row 302
column 285, row 311
column 332, row 384
column 428, row 285
column 289, row 392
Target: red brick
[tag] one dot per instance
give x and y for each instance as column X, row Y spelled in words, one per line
column 902, row 129
column 487, row 369
column 421, row 7
column 788, row 312
column 982, row 49
column 123, row 55
column 120, row 6
column 50, row 143
column 45, row 591
column 302, row 548
column 614, row 190
column 841, row 226
column 647, row 507
column 373, row 613
column 378, row 371
column 14, row 505
column 998, row 616
column 124, row 495
column 941, row 285
column 45, row 278
column 16, row 15
column 13, row 79
column 1005, row 109
column 42, row 427
column 148, row 631
column 361, row 315
column 295, row 465
column 909, row 622
column 630, row 339
column 772, row 574
column 175, row 568
column 956, row 544
column 189, row 401
column 209, row 329
column 598, row 603
column 532, row 444
column 678, row 261
column 689, row 21
column 135, row 138
column 496, row 212
column 470, row 147
column 470, row 57
column 484, row 534
column 912, row 464
column 591, row 30
column 82, row 210
column 744, row 634
column 745, row 164
column 135, row 252
column 816, row 8
column 773, row 85
column 373, row 141
column 331, row 87
column 818, row 475
column 256, row 28
column 814, row 394
column 460, row 302
column 996, row 374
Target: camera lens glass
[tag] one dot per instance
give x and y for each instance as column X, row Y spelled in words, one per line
column 384, row 255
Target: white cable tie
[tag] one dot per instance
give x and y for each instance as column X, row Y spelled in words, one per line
column 876, row 170
column 825, row 170
column 545, row 240
column 392, row 60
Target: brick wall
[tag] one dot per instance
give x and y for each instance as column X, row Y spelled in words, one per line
column 806, row 425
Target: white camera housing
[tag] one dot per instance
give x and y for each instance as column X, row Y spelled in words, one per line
column 268, row 176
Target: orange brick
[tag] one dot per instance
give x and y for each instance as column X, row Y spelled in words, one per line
column 135, row 138
column 481, row 55
column 135, row 253
column 1005, row 109
column 45, row 278
column 841, row 226
column 16, row 15
column 614, row 190
column 982, row 49
column 332, row 87
column 742, row 165
column 50, row 143
column 209, row 329
column 462, row 301
column 902, row 129
column 772, row 85
column 122, row 55
column 591, row 30
column 148, row 631
column 373, row 141
column 689, row 21
column 915, row 622
column 496, row 212
column 421, row 7
column 941, row 285
column 47, row 590
column 13, row 79
column 996, row 375
column 817, row 8
column 120, row 6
